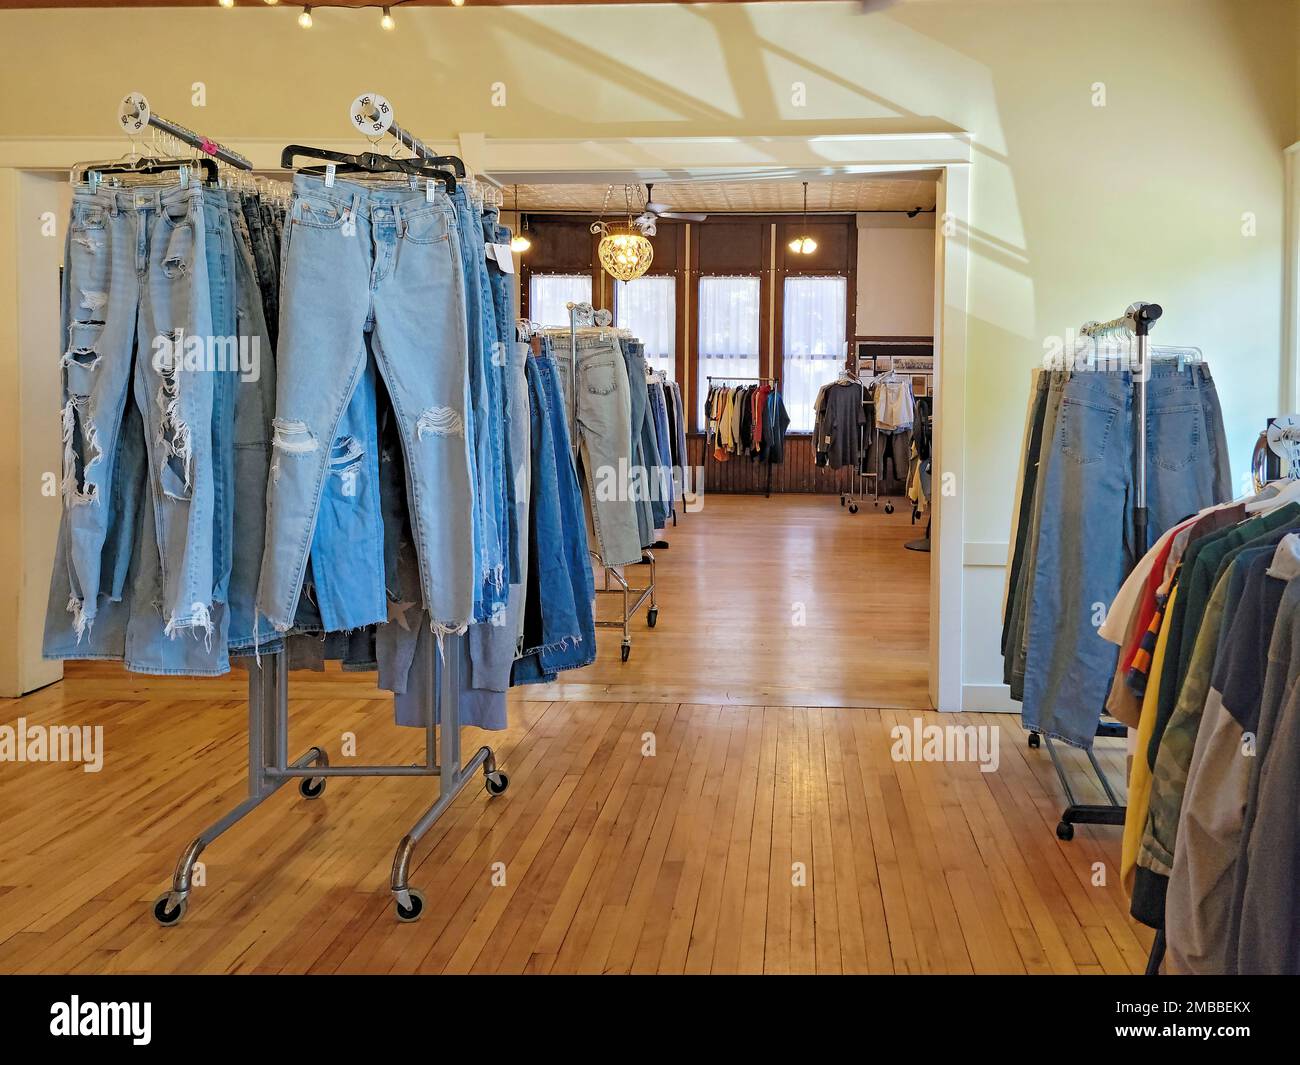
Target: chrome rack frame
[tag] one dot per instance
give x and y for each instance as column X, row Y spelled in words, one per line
column 1137, row 320
column 585, row 316
column 269, row 768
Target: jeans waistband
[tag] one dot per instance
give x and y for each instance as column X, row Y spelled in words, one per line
column 141, row 198
column 370, row 201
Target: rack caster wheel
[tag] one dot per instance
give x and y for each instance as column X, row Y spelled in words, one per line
column 627, row 650
column 496, row 782
column 311, row 788
column 1035, row 740
column 853, row 508
column 889, row 508
column 841, row 501
column 1065, row 831
column 165, row 913
column 652, row 616
column 416, row 910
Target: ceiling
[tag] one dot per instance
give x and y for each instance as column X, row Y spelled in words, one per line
column 332, row 3
column 744, row 197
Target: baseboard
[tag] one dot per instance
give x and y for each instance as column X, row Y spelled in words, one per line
column 988, row 698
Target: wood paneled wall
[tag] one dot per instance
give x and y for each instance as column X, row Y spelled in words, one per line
column 798, row 473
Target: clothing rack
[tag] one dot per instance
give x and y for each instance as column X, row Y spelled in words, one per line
column 269, row 768
column 134, row 115
column 1137, row 321
column 585, row 316
column 767, row 490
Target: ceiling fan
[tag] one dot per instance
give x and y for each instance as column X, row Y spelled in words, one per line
column 648, row 218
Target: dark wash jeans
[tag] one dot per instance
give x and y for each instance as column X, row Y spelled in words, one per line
column 559, row 625
column 1082, row 539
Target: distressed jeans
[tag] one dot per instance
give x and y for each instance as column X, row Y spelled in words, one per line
column 135, row 301
column 359, row 260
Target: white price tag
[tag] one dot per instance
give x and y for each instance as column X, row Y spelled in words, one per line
column 429, row 189
column 505, row 258
column 329, row 175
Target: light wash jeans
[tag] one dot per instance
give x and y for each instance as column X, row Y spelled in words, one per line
column 136, row 281
column 1083, row 531
column 604, row 429
column 359, row 259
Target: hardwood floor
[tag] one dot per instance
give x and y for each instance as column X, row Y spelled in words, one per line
column 660, row 818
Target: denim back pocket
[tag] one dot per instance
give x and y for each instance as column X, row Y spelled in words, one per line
column 1174, row 436
column 599, row 378
column 1085, row 430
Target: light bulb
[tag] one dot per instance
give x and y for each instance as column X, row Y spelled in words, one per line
column 226, row 3
column 387, row 20
column 796, row 245
column 304, row 20
column 809, row 245
column 457, row 3
column 520, row 244
column 271, row 3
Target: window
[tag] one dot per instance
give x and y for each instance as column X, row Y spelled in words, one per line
column 814, row 343
column 549, row 294
column 728, row 331
column 648, row 307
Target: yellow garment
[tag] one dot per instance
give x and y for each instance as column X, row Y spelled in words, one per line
column 1139, row 784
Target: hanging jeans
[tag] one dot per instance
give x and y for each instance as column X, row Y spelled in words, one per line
column 604, row 429
column 1084, row 523
column 358, row 259
column 135, row 300
column 642, row 436
column 661, row 463
column 559, row 625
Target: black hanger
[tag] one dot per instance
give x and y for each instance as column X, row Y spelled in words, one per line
column 157, row 166
column 369, row 163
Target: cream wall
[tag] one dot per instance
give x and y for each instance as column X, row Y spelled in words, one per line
column 895, row 275
column 1076, row 209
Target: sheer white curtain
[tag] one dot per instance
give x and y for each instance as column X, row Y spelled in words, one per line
column 814, row 343
column 729, row 318
column 648, row 307
column 548, row 295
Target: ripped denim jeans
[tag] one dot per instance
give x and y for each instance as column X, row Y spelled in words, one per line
column 369, row 273
column 135, row 298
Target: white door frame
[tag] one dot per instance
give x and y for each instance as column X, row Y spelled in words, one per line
column 722, row 158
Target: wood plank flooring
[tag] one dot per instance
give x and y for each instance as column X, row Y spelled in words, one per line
column 660, row 818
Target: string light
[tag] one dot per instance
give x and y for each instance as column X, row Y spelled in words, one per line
column 270, row 3
column 457, row 3
column 226, row 3
column 304, row 20
column 387, row 20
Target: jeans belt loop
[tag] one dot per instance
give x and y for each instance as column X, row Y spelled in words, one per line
column 354, row 208
column 399, row 223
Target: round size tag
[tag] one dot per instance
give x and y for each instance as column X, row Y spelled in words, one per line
column 133, row 113
column 371, row 114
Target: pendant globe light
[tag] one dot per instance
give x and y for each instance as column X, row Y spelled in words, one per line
column 625, row 252
column 520, row 243
column 804, row 245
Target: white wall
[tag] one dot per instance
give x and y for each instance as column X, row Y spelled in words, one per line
column 895, row 275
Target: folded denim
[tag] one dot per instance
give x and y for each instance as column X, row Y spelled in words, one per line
column 361, row 260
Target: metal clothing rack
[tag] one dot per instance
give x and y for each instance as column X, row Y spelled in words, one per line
column 1137, row 320
column 583, row 315
column 269, row 768
column 767, row 490
column 134, row 115
column 268, row 729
